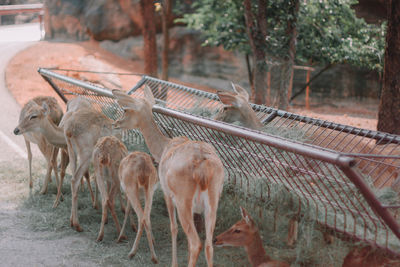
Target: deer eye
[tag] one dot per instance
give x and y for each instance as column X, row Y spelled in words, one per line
column 237, row 231
column 33, row 117
column 225, row 108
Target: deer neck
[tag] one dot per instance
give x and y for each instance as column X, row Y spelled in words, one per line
column 155, row 140
column 256, row 252
column 53, row 133
column 252, row 120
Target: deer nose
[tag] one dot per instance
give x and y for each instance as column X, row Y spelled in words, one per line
column 16, row 131
column 215, row 241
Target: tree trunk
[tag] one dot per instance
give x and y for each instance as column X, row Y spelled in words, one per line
column 256, row 29
column 287, row 66
column 149, row 37
column 389, row 106
column 166, row 15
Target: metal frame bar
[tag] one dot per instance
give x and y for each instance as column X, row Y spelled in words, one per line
column 279, row 169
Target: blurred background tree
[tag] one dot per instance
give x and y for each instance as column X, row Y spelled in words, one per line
column 327, row 33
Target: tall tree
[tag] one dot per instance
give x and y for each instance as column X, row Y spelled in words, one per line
column 328, row 32
column 166, row 9
column 256, row 28
column 149, row 37
column 389, row 107
column 289, row 59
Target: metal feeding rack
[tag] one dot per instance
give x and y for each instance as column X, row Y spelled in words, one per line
column 344, row 176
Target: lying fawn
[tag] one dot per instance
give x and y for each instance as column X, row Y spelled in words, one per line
column 191, row 174
column 245, row 234
column 28, row 118
column 107, row 155
column 136, row 172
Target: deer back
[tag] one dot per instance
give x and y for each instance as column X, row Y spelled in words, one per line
column 137, row 168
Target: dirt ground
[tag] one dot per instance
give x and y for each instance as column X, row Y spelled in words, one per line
column 47, row 237
column 24, row 82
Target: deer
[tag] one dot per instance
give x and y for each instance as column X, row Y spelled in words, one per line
column 369, row 256
column 237, row 108
column 191, row 174
column 38, row 120
column 82, row 130
column 107, row 155
column 28, row 117
column 244, row 233
column 137, row 172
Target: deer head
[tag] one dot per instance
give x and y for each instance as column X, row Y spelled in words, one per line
column 31, row 118
column 237, row 108
column 135, row 110
column 240, row 234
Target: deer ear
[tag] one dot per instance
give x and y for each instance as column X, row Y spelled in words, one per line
column 228, row 98
column 240, row 91
column 243, row 212
column 46, row 108
column 123, row 99
column 246, row 216
column 148, row 95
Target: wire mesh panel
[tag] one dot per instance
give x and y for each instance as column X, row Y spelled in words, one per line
column 377, row 154
column 323, row 182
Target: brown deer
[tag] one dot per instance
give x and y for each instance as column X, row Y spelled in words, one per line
column 38, row 120
column 369, row 257
column 107, row 155
column 237, row 108
column 27, row 117
column 245, row 234
column 82, row 130
column 137, row 172
column 191, row 174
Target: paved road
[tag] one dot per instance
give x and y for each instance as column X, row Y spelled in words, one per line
column 12, row 40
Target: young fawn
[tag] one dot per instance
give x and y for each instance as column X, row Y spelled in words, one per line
column 136, row 173
column 245, row 234
column 191, row 174
column 107, row 155
column 27, row 119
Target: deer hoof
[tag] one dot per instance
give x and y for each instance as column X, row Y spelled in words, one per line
column 122, row 238
column 99, row 238
column 43, row 191
column 131, row 255
column 154, row 260
column 78, row 228
column 55, row 204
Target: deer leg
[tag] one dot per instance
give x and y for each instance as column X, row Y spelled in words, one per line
column 87, row 177
column 111, row 202
column 96, row 195
column 75, row 181
column 185, row 214
column 121, row 200
column 29, row 151
column 104, row 200
column 47, row 153
column 174, row 228
column 53, row 160
column 127, row 212
column 64, row 163
column 147, row 225
column 133, row 196
column 210, row 219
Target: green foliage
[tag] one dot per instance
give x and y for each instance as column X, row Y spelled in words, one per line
column 328, row 31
